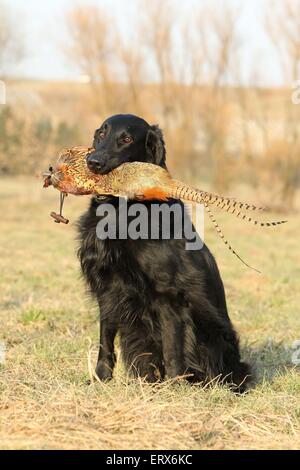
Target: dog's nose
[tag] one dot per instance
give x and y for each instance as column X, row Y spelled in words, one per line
column 94, row 164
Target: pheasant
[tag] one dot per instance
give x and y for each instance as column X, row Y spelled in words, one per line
column 138, row 181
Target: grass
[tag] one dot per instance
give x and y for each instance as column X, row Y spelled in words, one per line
column 50, row 329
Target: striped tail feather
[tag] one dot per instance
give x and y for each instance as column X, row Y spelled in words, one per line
column 188, row 193
column 232, row 203
column 233, row 207
column 221, row 235
column 240, row 215
column 229, row 205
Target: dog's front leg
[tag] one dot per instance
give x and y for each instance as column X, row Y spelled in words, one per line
column 172, row 335
column 106, row 356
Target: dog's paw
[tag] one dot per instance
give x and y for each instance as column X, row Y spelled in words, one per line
column 104, row 372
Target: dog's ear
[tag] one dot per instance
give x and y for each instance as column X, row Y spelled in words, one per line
column 95, row 135
column 155, row 146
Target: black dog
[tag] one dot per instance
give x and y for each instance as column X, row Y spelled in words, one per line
column 167, row 303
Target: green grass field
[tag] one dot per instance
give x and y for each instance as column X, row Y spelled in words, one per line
column 50, row 329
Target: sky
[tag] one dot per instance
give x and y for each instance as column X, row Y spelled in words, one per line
column 43, row 24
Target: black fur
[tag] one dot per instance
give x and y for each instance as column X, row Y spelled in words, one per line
column 168, row 304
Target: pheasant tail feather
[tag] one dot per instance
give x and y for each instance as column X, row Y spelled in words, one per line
column 225, row 241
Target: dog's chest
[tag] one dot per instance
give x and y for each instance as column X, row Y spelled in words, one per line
column 142, row 262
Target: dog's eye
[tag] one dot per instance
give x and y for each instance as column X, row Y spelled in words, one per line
column 127, row 139
column 101, row 135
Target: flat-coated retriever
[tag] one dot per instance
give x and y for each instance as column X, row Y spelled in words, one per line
column 166, row 302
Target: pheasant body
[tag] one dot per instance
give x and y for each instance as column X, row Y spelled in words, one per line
column 137, row 180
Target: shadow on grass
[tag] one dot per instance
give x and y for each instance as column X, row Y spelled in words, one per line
column 269, row 359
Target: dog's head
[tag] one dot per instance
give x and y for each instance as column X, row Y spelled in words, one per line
column 126, row 138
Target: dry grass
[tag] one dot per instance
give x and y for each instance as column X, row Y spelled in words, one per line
column 50, row 329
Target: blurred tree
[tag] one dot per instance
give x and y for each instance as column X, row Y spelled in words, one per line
column 216, row 44
column 66, row 134
column 283, row 26
column 11, row 42
column 156, row 66
column 91, row 45
column 35, row 140
column 43, row 129
column 157, row 35
column 132, row 65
